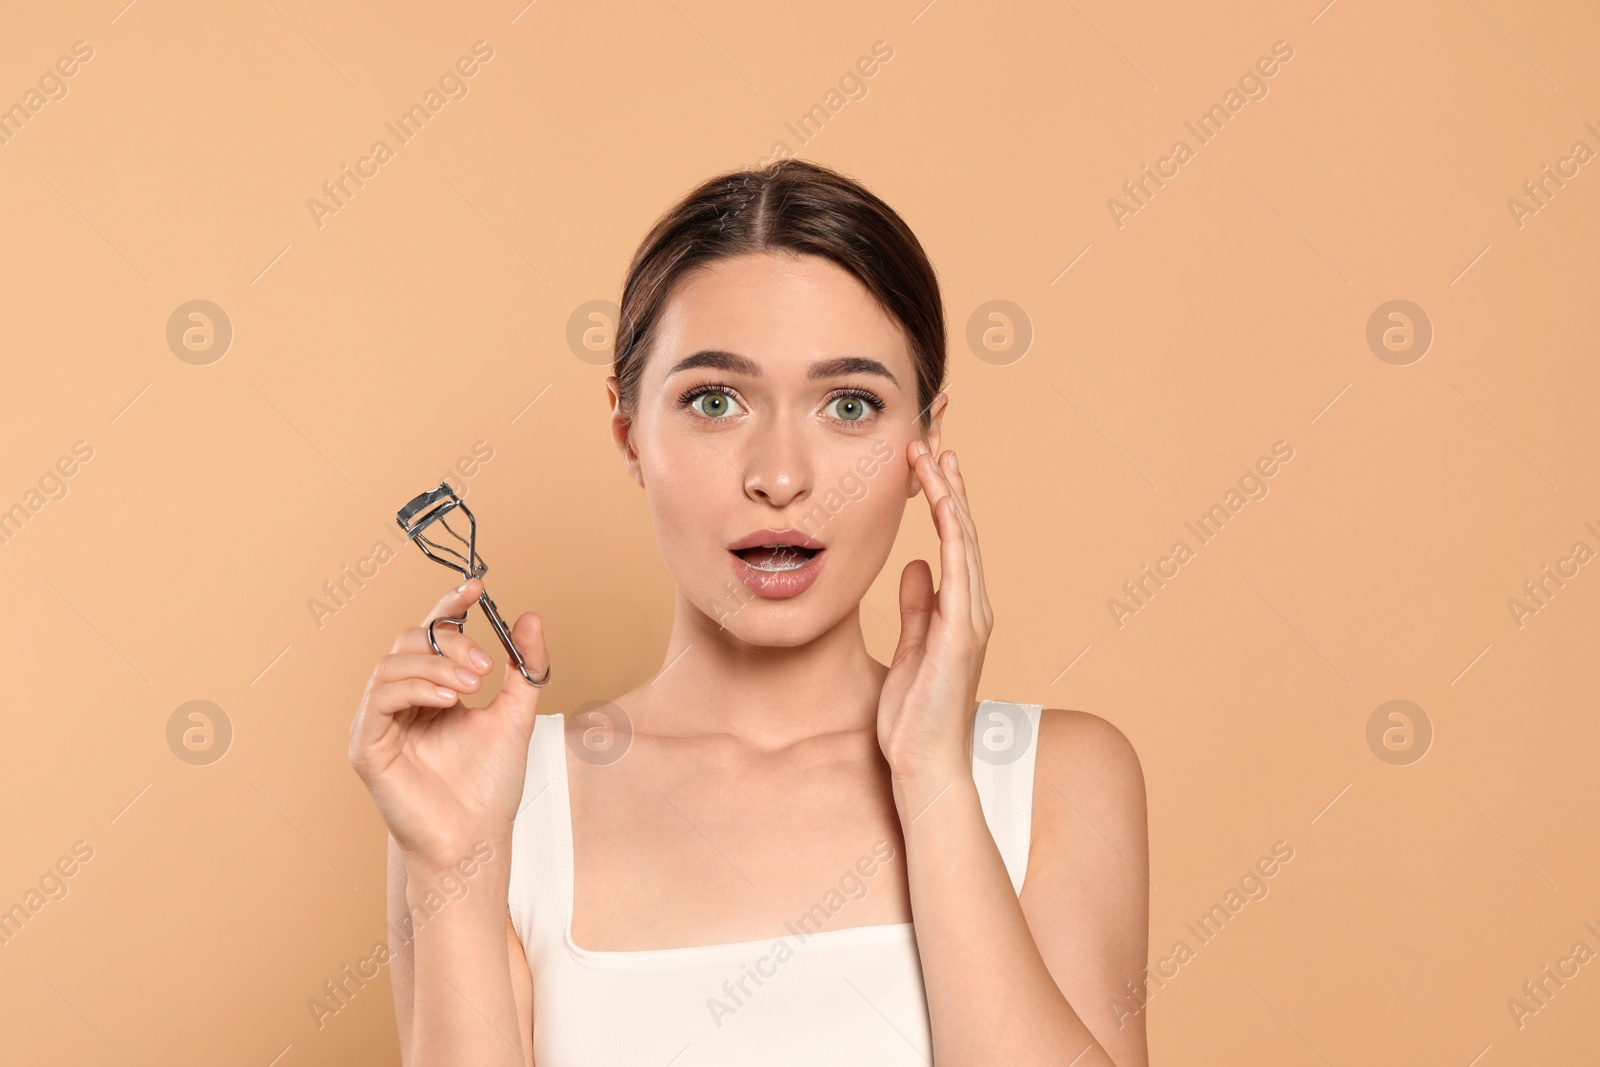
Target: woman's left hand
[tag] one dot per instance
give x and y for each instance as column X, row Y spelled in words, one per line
column 926, row 707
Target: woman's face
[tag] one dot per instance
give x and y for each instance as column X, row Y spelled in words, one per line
column 775, row 407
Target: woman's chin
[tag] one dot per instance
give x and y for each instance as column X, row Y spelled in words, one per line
column 764, row 623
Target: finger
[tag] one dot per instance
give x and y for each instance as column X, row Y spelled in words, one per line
column 518, row 697
column 456, row 645
column 958, row 485
column 385, row 701
column 391, row 701
column 438, row 670
column 452, row 603
column 916, row 607
column 955, row 576
column 955, row 581
column 391, row 697
column 934, row 488
column 943, row 486
column 958, row 489
column 977, row 598
column 942, row 469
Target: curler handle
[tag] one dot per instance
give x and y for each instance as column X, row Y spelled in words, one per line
column 504, row 634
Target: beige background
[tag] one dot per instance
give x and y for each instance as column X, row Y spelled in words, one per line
column 1227, row 314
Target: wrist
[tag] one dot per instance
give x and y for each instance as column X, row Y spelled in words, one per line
column 486, row 854
column 469, row 894
column 940, row 766
column 919, row 786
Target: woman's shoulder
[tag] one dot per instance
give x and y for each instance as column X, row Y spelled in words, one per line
column 1088, row 756
column 1070, row 730
column 1068, row 739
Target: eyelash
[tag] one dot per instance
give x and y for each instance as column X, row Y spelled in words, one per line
column 687, row 399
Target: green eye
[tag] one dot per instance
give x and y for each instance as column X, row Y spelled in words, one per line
column 850, row 408
column 854, row 406
column 712, row 405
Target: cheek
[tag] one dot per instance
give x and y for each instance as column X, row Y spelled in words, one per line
column 889, row 481
column 689, row 492
column 679, row 498
column 885, row 498
column 866, row 526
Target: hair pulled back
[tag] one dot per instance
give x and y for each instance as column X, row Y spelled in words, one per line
column 792, row 206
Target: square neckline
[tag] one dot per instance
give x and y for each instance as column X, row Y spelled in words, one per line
column 644, row 956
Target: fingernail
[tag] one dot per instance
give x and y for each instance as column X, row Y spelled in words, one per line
column 462, row 588
column 953, row 464
column 445, row 694
column 479, row 660
column 919, row 449
column 466, row 676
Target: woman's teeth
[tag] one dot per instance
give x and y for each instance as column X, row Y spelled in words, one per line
column 776, row 557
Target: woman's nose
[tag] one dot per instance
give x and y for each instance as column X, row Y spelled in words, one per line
column 777, row 469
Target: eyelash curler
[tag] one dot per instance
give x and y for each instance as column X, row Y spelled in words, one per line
column 431, row 507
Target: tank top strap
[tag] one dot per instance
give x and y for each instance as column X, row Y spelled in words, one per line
column 1005, row 740
column 541, row 856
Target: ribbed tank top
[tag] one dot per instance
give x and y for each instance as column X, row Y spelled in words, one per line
column 851, row 995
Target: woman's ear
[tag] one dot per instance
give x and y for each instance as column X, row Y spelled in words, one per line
column 622, row 431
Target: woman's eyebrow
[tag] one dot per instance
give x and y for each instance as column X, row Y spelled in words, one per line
column 737, row 364
column 830, row 368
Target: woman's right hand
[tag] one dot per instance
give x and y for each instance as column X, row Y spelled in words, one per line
column 445, row 775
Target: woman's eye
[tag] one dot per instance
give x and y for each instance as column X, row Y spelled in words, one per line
column 850, row 408
column 713, row 405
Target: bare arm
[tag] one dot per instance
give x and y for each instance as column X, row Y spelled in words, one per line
column 992, row 986
column 402, row 966
column 400, row 959
column 1087, row 893
column 465, row 1007
column 446, row 778
column 998, row 975
column 521, row 990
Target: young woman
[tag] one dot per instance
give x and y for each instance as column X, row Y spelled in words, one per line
column 778, row 850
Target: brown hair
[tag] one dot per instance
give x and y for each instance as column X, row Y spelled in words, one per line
column 792, row 206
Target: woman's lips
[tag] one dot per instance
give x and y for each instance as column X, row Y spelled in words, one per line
column 776, row 573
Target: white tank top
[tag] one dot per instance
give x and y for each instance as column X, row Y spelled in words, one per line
column 847, row 995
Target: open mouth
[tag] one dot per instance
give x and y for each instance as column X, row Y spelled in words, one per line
column 776, row 558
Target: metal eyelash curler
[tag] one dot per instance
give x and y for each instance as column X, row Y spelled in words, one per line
column 433, row 506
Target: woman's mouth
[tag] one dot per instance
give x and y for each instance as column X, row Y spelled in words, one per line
column 777, row 557
column 777, row 571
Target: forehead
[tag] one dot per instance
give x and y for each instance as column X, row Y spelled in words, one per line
column 781, row 310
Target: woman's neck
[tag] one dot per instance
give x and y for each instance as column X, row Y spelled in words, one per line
column 766, row 697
